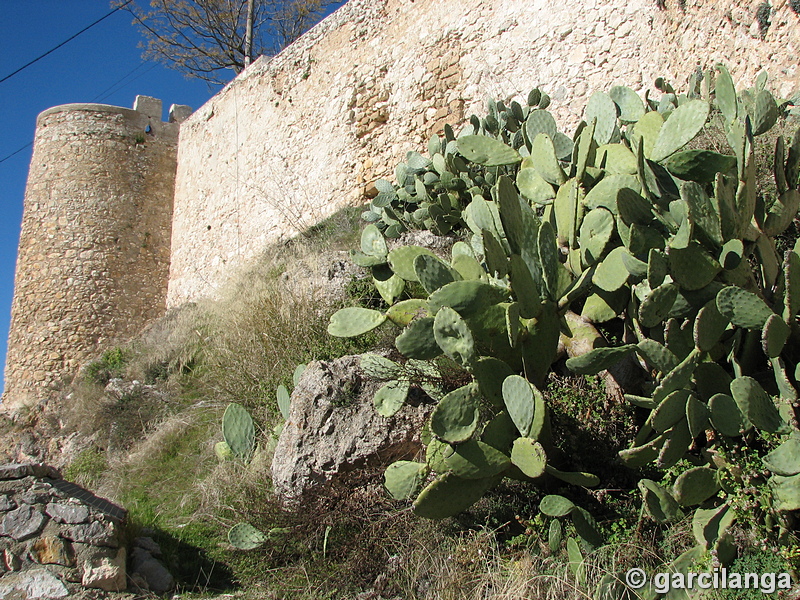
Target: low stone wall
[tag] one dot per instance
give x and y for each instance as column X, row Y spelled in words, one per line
column 56, row 537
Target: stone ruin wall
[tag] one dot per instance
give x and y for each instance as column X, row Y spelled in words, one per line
column 293, row 139
column 56, row 537
column 93, row 256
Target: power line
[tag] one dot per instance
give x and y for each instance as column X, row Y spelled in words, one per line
column 99, row 98
column 69, row 39
column 5, row 158
column 121, row 83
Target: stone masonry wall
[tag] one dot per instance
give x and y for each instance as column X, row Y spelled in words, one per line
column 297, row 137
column 94, row 248
column 56, row 537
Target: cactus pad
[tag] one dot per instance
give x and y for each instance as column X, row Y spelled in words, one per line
column 756, row 404
column 765, row 112
column 284, row 401
column 725, row 94
column 405, row 311
column 786, row 492
column 435, row 455
column 596, row 231
column 631, row 107
column 496, row 260
column 675, row 445
column 697, row 415
column 699, row 165
column 477, row 460
column 598, row 359
column 529, row 457
column 524, row 287
column 774, row 336
column 373, row 243
column 555, row 535
column 692, row 267
column 518, row 395
column 244, row 536
column 390, row 397
column 434, row 273
column 556, row 506
column 678, row 378
column 602, row 108
column 389, row 285
column 378, row 367
column 223, row 451
column 454, row 336
column 611, row 274
column 657, row 355
column 404, row 478
column 449, row 495
column 487, row 151
column 490, row 373
column 709, row 325
column 708, row 525
column 657, row 305
column 659, row 503
column 418, row 340
column 657, row 266
column 401, row 260
column 455, row 418
column 548, row 258
column 683, row 124
column 574, row 477
column 239, row 431
column 785, row 459
column 500, row 432
column 604, row 306
column 534, row 188
column 605, row 192
column 725, row 415
column 545, row 160
column 353, row 321
column 695, row 486
column 466, row 297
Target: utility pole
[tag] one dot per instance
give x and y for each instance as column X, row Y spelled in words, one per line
column 248, row 36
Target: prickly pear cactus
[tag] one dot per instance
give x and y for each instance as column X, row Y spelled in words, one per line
column 628, row 220
column 239, row 431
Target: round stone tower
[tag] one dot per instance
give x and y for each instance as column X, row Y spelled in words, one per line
column 94, row 249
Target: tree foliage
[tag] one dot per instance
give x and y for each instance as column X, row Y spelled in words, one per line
column 206, row 38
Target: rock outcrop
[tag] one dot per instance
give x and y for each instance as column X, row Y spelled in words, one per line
column 333, row 429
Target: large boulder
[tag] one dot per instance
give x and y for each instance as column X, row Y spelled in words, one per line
column 333, row 430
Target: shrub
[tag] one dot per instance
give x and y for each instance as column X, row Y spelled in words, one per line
column 110, row 365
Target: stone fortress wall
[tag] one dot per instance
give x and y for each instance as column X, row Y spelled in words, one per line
column 297, row 137
column 93, row 256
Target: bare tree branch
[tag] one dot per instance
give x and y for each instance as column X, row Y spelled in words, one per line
column 206, row 38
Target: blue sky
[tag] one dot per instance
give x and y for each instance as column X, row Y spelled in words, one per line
column 101, row 65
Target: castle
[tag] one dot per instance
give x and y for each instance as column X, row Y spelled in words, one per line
column 126, row 215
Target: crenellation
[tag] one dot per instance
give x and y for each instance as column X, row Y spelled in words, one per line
column 149, row 107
